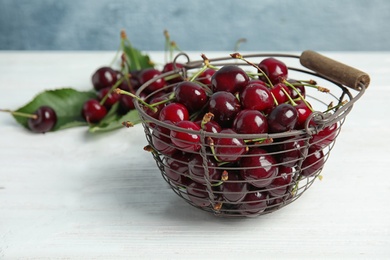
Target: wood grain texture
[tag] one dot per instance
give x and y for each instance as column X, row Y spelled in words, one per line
column 72, row 195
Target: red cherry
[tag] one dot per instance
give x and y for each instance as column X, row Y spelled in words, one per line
column 256, row 96
column 185, row 141
column 258, row 167
column 93, row 112
column 250, row 122
column 230, row 78
column 112, row 97
column 149, row 74
column 45, row 120
column 275, row 69
column 229, row 149
column 104, row 77
column 174, row 112
column 313, row 163
column 192, row 95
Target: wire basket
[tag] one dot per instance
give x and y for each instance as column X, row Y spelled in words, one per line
column 286, row 163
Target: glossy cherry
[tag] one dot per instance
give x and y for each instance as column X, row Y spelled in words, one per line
column 282, row 118
column 313, row 163
column 224, row 106
column 230, row 78
column 299, row 87
column 176, row 167
column 162, row 141
column 104, row 77
column 279, row 92
column 149, row 74
column 192, row 95
column 325, row 137
column 235, row 188
column 291, row 151
column 255, row 202
column 229, row 149
column 205, row 76
column 198, row 195
column 281, row 183
column 256, row 96
column 304, row 111
column 198, row 172
column 171, row 66
column 185, row 141
column 250, row 122
column 275, row 69
column 258, row 167
column 45, row 120
column 174, row 112
column 93, row 111
column 112, row 97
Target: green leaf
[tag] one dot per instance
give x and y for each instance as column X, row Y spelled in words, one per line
column 134, row 58
column 109, row 125
column 66, row 102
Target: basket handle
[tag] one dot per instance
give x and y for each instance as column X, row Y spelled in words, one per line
column 334, row 70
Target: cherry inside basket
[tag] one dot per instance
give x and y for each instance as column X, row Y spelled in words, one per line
column 233, row 139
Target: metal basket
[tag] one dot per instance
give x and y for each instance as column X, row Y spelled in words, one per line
column 294, row 150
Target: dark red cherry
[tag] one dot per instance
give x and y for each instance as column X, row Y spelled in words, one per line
column 174, row 112
column 176, row 167
column 153, row 101
column 250, row 122
column 324, row 137
column 256, row 96
column 162, row 141
column 104, row 77
column 229, row 149
column 291, row 151
column 282, row 118
column 93, row 111
column 112, row 97
column 230, row 78
column 304, row 111
column 224, row 106
column 255, row 202
column 192, row 95
column 185, row 141
column 299, row 87
column 313, row 163
column 198, row 172
column 45, row 120
column 281, row 183
column 258, row 167
column 171, row 66
column 205, row 76
column 235, row 188
column 149, row 74
column 211, row 126
column 198, row 195
column 279, row 92
column 275, row 69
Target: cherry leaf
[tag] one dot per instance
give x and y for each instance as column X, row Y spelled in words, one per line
column 66, row 102
column 112, row 124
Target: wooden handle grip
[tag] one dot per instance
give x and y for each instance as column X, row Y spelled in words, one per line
column 334, row 70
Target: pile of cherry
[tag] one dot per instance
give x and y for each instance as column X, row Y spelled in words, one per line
column 211, row 136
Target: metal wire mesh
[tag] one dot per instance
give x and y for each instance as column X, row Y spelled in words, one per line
column 299, row 155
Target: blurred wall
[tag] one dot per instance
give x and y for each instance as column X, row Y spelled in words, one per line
column 269, row 25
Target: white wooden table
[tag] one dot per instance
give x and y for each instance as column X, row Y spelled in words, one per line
column 74, row 195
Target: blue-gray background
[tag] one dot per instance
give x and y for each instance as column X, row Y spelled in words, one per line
column 279, row 25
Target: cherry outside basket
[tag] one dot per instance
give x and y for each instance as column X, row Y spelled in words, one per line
column 298, row 156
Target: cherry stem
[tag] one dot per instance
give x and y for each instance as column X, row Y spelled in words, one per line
column 299, row 94
column 260, row 140
column 239, row 56
column 238, row 43
column 115, row 86
column 123, row 92
column 21, row 114
column 211, row 143
column 206, row 118
column 289, row 97
column 331, row 107
column 206, row 66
